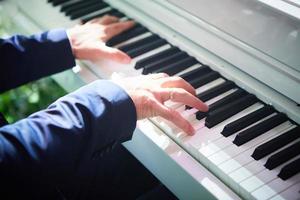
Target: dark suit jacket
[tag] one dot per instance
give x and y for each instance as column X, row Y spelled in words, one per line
column 63, row 142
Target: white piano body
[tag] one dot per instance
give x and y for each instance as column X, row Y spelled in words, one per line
column 256, row 44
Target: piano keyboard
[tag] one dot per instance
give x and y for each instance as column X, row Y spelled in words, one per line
column 249, row 145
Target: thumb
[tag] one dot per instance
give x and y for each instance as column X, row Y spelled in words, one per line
column 114, row 54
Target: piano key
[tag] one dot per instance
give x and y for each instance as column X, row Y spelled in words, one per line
column 221, row 96
column 224, row 112
column 176, row 67
column 164, row 62
column 235, row 126
column 145, row 48
column 191, row 68
column 228, row 99
column 58, row 2
column 209, row 85
column 290, row 169
column 196, row 73
column 283, row 156
column 206, row 78
column 276, row 143
column 97, row 14
column 134, row 39
column 262, row 179
column 136, row 44
column 77, row 5
column 291, row 193
column 224, row 101
column 87, row 10
column 212, row 134
column 215, row 91
column 151, row 53
column 259, row 129
column 104, row 11
column 274, row 187
column 246, row 150
column 141, row 63
column 242, row 156
column 249, row 179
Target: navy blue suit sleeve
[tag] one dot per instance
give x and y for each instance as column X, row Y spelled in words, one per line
column 51, row 144
column 24, row 59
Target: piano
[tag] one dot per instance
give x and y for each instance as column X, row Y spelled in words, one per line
column 243, row 59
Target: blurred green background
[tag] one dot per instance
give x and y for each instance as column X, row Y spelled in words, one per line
column 24, row 100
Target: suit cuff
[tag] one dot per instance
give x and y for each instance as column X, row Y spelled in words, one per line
column 62, row 51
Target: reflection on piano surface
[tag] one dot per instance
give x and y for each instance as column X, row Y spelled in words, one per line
column 247, row 143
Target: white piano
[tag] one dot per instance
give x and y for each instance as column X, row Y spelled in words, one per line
column 243, row 58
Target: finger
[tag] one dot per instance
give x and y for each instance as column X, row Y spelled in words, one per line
column 157, row 76
column 113, row 54
column 105, row 20
column 108, row 19
column 177, row 82
column 174, row 117
column 117, row 28
column 182, row 96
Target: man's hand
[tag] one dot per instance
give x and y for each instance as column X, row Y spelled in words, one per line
column 151, row 91
column 88, row 40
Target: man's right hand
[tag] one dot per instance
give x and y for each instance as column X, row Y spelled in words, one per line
column 149, row 92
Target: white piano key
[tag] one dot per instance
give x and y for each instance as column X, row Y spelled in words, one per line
column 235, row 163
column 108, row 8
column 134, row 39
column 210, row 85
column 152, row 52
column 234, row 150
column 291, row 193
column 264, row 178
column 215, row 132
column 243, row 166
column 205, row 136
column 274, row 187
column 191, row 68
column 221, row 96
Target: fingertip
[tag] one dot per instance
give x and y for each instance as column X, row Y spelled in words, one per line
column 206, row 107
column 191, row 131
column 126, row 59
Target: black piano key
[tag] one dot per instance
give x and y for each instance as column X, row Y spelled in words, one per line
column 67, row 8
column 220, row 114
column 115, row 13
column 290, row 170
column 136, row 44
column 58, row 2
column 276, row 143
column 215, row 91
column 226, row 100
column 145, row 48
column 164, row 62
column 189, row 76
column 112, row 12
column 176, row 67
column 259, row 129
column 133, row 32
column 247, row 120
column 283, row 156
column 206, row 78
column 92, row 8
column 146, row 61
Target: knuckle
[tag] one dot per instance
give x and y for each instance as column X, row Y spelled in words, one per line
column 163, row 74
